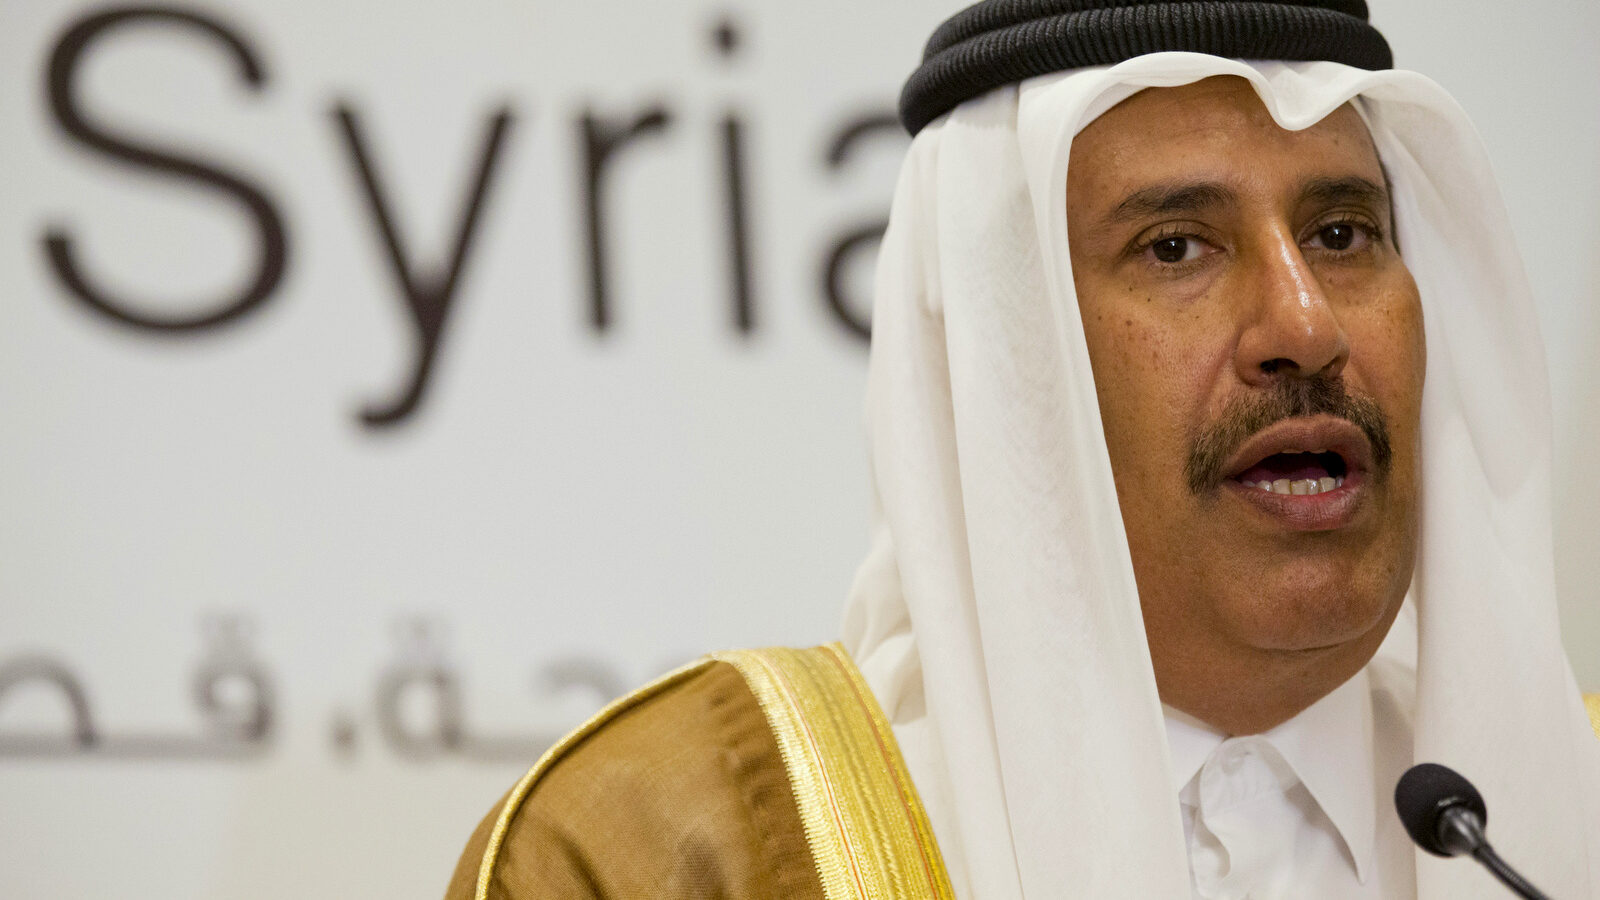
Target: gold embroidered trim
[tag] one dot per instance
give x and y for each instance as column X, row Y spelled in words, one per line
column 868, row 834
column 1592, row 703
column 491, row 853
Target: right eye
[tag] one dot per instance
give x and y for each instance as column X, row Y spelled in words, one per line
column 1178, row 249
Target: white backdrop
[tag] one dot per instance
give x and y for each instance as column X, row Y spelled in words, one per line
column 313, row 631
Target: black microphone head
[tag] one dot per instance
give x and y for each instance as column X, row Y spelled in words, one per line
column 1424, row 792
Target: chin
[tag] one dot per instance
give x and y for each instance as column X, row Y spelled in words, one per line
column 1298, row 617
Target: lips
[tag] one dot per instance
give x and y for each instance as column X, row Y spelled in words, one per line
column 1307, row 473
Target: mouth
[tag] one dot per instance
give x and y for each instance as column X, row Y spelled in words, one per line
column 1304, row 474
column 1296, row 472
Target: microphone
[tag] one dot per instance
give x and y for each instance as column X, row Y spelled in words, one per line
column 1445, row 815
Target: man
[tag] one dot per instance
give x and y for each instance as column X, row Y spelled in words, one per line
column 1209, row 438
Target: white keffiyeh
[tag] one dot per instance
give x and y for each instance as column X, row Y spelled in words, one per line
column 996, row 616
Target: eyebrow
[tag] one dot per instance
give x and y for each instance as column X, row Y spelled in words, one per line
column 1350, row 189
column 1169, row 198
column 1195, row 196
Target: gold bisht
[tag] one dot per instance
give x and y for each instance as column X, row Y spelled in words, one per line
column 752, row 773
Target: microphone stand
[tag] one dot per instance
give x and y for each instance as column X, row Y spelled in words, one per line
column 1461, row 830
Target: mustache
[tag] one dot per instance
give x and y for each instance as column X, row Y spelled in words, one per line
column 1288, row 398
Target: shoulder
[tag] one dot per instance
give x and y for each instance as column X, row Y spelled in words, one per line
column 752, row 773
column 676, row 790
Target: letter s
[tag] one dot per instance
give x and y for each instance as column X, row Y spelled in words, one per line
column 63, row 71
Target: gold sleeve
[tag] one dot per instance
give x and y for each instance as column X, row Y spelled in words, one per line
column 753, row 773
column 675, row 791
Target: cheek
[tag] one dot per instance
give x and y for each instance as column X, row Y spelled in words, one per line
column 1388, row 354
column 1148, row 382
column 1388, row 363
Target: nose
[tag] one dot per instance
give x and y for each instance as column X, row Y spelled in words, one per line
column 1291, row 329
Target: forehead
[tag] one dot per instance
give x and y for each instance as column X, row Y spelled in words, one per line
column 1215, row 129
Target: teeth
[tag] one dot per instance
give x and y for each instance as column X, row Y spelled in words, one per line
column 1298, row 487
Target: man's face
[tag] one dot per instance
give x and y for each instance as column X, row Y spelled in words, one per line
column 1257, row 348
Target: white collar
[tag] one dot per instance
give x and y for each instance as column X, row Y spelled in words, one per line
column 1329, row 745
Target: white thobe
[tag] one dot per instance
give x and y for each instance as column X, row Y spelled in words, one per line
column 1303, row 810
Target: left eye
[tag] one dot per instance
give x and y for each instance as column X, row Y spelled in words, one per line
column 1340, row 237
